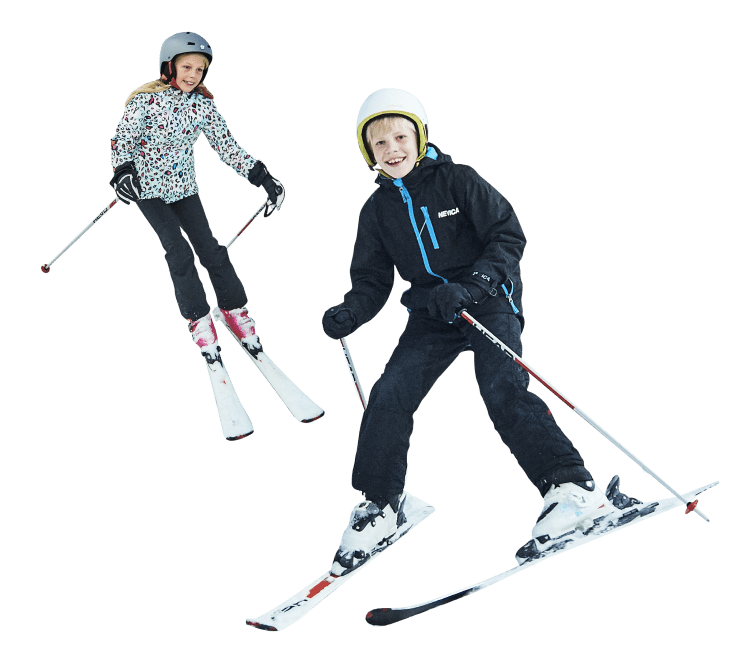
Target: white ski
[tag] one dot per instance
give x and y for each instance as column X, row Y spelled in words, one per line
column 300, row 406
column 303, row 602
column 628, row 516
column 233, row 418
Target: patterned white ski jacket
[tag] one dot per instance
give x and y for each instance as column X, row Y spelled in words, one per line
column 158, row 131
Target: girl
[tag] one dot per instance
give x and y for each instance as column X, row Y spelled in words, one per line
column 153, row 160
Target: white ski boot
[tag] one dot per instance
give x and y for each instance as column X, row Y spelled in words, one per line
column 205, row 335
column 568, row 508
column 242, row 326
column 370, row 527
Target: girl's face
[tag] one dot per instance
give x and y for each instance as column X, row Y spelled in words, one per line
column 188, row 71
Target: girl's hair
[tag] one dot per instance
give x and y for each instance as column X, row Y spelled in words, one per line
column 158, row 85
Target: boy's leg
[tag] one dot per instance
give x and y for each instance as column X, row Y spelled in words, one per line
column 425, row 350
column 163, row 217
column 522, row 419
column 213, row 257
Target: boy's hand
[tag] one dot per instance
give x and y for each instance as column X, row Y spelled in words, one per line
column 339, row 321
column 447, row 300
column 258, row 175
column 126, row 184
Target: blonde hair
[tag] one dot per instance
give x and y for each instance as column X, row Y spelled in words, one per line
column 158, row 85
column 383, row 125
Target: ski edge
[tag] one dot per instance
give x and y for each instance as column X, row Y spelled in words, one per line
column 383, row 616
column 226, row 399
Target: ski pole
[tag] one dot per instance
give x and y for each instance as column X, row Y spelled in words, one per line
column 352, row 368
column 46, row 267
column 477, row 325
column 248, row 223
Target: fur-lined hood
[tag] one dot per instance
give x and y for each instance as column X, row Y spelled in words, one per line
column 159, row 85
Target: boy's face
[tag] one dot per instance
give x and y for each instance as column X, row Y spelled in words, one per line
column 188, row 71
column 396, row 151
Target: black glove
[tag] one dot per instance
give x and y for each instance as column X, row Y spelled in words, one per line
column 447, row 300
column 258, row 175
column 339, row 321
column 126, row 184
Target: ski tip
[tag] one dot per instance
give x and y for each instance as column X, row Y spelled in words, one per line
column 241, row 437
column 381, row 616
column 261, row 626
column 316, row 417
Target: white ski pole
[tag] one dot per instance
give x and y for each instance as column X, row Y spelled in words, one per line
column 46, row 267
column 477, row 325
column 352, row 368
column 248, row 223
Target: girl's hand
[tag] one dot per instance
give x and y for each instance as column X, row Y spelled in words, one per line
column 126, row 184
column 274, row 188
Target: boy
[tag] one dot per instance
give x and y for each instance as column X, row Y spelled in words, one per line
column 459, row 243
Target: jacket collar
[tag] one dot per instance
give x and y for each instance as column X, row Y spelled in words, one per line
column 433, row 158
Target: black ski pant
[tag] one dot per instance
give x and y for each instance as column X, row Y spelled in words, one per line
column 425, row 350
column 168, row 219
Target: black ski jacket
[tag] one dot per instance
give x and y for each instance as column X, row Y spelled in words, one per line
column 442, row 222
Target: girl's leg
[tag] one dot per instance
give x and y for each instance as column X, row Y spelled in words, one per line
column 213, row 257
column 164, row 219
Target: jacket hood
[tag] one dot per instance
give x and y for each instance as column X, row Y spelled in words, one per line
column 433, row 158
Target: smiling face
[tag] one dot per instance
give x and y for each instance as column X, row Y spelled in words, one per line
column 189, row 69
column 393, row 143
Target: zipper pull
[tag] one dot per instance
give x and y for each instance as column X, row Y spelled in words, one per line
column 404, row 192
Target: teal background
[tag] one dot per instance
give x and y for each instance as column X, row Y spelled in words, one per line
column 619, row 134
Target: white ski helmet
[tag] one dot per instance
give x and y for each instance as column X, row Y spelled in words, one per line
column 183, row 43
column 391, row 101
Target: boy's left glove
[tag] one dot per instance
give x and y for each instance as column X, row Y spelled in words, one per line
column 258, row 175
column 339, row 321
column 447, row 300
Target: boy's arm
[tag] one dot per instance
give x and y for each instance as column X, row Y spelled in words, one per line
column 372, row 271
column 498, row 228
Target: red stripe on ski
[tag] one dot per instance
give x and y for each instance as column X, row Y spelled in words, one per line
column 322, row 585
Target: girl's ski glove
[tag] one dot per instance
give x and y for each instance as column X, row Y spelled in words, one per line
column 126, row 184
column 258, row 175
column 339, row 321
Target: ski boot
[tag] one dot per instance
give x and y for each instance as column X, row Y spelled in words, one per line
column 568, row 508
column 372, row 526
column 205, row 336
column 242, row 326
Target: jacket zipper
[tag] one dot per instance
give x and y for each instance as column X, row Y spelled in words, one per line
column 407, row 199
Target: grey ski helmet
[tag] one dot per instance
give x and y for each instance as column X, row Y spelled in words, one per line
column 182, row 43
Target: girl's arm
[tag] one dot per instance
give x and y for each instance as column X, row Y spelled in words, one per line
column 218, row 135
column 127, row 134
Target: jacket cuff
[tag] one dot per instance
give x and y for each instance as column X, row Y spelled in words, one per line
column 480, row 286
